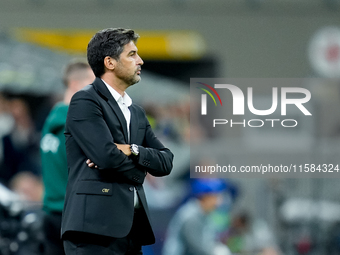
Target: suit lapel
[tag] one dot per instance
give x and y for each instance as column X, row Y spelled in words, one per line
column 115, row 107
column 134, row 123
column 101, row 88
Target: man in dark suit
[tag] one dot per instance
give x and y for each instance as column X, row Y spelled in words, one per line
column 105, row 209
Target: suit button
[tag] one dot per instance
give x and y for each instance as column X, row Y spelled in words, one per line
column 131, row 188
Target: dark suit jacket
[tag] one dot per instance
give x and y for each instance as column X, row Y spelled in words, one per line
column 101, row 200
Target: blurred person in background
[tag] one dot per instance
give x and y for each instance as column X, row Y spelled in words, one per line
column 77, row 74
column 28, row 186
column 246, row 236
column 190, row 231
column 20, row 146
column 6, row 119
column 6, row 126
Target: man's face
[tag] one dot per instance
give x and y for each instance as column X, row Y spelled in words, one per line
column 128, row 67
column 211, row 201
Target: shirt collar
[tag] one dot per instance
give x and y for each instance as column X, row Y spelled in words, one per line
column 118, row 97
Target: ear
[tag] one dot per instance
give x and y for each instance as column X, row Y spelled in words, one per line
column 109, row 63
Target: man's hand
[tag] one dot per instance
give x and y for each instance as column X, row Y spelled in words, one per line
column 125, row 148
column 91, row 164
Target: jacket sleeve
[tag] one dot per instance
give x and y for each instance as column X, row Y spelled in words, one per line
column 154, row 157
column 85, row 122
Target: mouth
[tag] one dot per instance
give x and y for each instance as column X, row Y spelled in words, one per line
column 139, row 72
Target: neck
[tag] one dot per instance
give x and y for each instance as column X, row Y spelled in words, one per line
column 117, row 84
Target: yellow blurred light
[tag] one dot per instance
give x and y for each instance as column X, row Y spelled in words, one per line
column 177, row 45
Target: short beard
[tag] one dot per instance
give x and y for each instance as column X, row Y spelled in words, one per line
column 132, row 80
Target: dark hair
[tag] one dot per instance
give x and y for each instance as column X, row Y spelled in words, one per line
column 107, row 42
column 74, row 70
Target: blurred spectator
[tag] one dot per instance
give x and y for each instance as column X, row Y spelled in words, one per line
column 28, row 186
column 246, row 236
column 6, row 119
column 19, row 146
column 77, row 74
column 190, row 231
column 21, row 216
column 6, row 125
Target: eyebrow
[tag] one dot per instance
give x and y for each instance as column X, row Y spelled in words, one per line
column 132, row 51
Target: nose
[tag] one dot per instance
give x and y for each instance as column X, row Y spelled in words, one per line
column 140, row 61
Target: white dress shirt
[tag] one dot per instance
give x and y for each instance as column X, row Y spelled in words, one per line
column 124, row 102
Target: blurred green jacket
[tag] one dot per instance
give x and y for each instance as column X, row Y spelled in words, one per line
column 53, row 157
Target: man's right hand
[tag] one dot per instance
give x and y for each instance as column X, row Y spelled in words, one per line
column 134, row 175
column 91, row 164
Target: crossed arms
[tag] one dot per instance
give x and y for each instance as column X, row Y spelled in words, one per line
column 94, row 135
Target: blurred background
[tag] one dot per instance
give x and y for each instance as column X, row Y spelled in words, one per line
column 180, row 39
